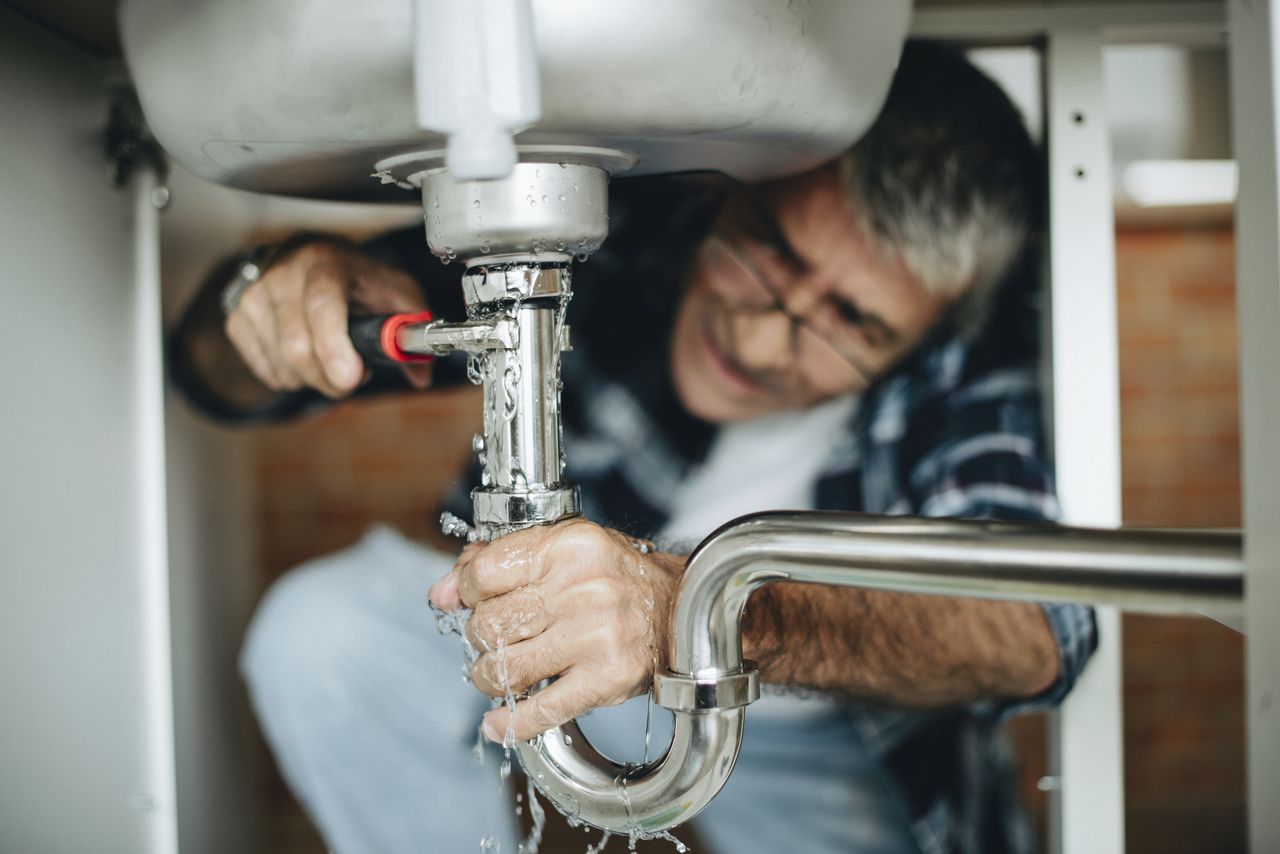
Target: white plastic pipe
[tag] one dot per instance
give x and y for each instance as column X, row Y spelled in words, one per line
column 475, row 78
column 159, row 801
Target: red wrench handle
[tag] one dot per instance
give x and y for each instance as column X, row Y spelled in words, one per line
column 376, row 336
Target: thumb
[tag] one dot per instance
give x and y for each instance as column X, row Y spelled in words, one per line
column 444, row 593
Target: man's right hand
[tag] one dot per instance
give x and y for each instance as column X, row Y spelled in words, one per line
column 291, row 325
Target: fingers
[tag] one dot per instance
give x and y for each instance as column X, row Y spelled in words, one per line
column 321, row 293
column 558, row 703
column 325, row 307
column 291, row 325
column 571, row 600
column 512, row 562
column 258, row 308
column 270, row 326
column 243, row 333
column 384, row 290
column 444, row 593
column 508, row 619
column 519, row 667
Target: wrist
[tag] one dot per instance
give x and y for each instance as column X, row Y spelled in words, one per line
column 664, row 571
column 255, row 261
column 762, row 628
column 250, row 266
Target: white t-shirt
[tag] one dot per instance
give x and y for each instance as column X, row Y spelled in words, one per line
column 768, row 463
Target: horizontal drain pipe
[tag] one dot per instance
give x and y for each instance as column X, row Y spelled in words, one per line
column 709, row 686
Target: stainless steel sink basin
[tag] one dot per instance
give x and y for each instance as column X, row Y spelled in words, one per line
column 304, row 97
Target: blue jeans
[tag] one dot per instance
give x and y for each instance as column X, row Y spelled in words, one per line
column 364, row 704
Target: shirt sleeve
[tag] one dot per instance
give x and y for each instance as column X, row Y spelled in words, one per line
column 988, row 462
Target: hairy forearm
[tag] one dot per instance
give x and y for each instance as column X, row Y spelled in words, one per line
column 898, row 649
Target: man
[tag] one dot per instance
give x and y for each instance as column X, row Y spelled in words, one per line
column 839, row 340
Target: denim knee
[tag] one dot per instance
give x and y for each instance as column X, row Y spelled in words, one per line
column 305, row 635
column 350, row 637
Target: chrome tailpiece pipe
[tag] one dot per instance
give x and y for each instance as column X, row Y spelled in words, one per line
column 523, row 466
column 513, row 340
column 517, row 236
column 709, row 684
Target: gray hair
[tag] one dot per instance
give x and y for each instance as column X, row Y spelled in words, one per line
column 947, row 181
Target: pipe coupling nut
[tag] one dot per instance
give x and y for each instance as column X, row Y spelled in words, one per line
column 683, row 693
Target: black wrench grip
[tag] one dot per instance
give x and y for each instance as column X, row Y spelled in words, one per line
column 375, row 337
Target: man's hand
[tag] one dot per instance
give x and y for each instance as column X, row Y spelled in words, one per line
column 572, row 600
column 291, row 325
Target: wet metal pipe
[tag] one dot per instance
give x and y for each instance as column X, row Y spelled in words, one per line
column 709, row 684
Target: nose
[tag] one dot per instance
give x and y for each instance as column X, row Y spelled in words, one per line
column 763, row 341
column 802, row 298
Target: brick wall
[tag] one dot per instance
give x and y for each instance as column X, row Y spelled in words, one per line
column 1179, row 405
column 1184, row 676
column 325, row 480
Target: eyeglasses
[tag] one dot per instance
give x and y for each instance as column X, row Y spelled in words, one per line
column 834, row 325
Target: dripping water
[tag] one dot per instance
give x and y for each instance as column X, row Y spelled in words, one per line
column 648, row 722
column 598, row 847
column 539, row 816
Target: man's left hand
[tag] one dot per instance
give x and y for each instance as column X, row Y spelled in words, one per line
column 572, row 600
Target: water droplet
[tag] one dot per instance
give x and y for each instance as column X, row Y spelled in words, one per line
column 537, row 173
column 564, row 165
column 582, row 256
column 568, row 739
column 575, row 188
column 532, row 202
column 561, row 245
column 484, row 247
column 562, row 197
column 476, row 204
column 545, row 200
column 437, row 201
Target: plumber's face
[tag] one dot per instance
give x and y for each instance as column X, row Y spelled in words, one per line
column 788, row 304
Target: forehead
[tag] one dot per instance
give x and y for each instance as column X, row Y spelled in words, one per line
column 802, row 201
column 818, row 223
column 813, row 216
column 817, row 192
